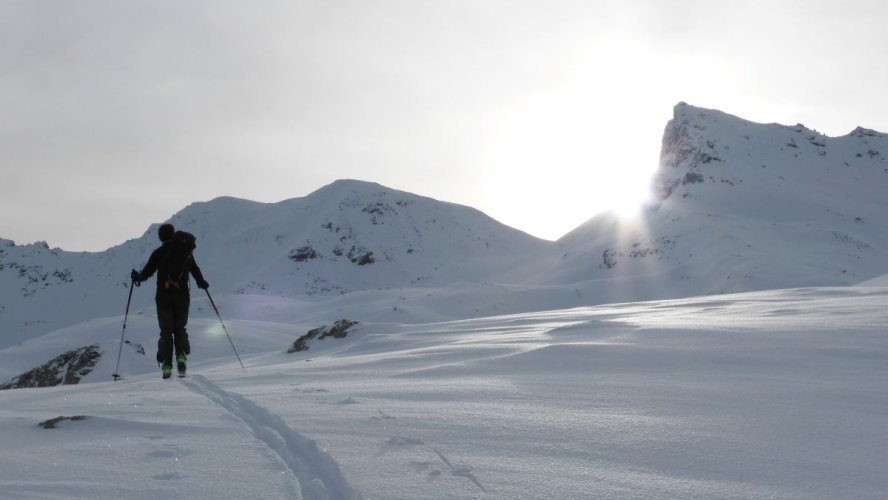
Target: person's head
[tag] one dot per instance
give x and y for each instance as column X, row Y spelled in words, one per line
column 165, row 232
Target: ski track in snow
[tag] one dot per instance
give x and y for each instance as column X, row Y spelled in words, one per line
column 318, row 473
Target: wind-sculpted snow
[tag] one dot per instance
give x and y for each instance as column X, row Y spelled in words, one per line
column 318, row 473
column 779, row 394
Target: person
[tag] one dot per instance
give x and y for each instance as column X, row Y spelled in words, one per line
column 173, row 298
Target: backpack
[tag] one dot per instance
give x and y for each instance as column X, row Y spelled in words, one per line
column 174, row 269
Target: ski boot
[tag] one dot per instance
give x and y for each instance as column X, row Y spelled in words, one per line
column 167, row 370
column 180, row 364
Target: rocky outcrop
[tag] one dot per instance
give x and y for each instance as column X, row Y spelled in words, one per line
column 303, row 254
column 66, row 369
column 337, row 330
column 684, row 151
column 54, row 422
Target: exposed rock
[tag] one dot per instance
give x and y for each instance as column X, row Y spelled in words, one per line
column 692, row 178
column 360, row 256
column 302, row 254
column 66, row 369
column 609, row 257
column 865, row 132
column 338, row 330
column 51, row 423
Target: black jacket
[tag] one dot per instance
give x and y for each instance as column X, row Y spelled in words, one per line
column 156, row 260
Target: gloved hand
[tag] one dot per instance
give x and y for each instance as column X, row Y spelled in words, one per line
column 135, row 277
column 203, row 285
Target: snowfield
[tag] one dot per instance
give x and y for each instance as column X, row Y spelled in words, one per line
column 756, row 395
column 715, row 346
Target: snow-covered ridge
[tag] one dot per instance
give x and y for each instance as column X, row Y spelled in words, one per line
column 350, row 236
column 702, row 146
column 743, row 206
column 346, row 237
column 763, row 394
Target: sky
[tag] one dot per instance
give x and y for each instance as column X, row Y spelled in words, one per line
column 116, row 115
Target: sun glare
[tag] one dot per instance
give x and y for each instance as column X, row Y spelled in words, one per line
column 554, row 164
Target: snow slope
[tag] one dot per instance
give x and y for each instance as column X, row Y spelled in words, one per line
column 741, row 206
column 757, row 395
column 348, row 236
column 876, row 282
column 481, row 366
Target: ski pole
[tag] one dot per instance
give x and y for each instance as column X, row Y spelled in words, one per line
column 226, row 329
column 125, row 314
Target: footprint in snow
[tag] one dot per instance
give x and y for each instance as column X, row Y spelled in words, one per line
column 169, row 451
column 397, row 443
column 431, row 473
column 310, row 390
column 161, row 454
column 382, row 416
column 401, row 442
column 421, row 466
column 169, row 476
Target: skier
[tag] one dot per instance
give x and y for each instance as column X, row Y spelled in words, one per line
column 173, row 261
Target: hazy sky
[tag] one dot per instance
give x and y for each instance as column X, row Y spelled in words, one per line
column 116, row 114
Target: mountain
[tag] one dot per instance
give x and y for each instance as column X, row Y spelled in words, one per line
column 743, row 206
column 459, row 360
column 878, row 281
column 740, row 206
column 348, row 236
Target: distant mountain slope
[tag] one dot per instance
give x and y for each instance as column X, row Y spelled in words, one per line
column 347, row 236
column 43, row 289
column 878, row 281
column 740, row 206
column 744, row 206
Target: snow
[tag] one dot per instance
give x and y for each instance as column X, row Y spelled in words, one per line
column 763, row 394
column 742, row 207
column 727, row 343
column 878, row 281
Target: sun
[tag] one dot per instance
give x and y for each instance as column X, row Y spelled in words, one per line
column 629, row 193
column 553, row 164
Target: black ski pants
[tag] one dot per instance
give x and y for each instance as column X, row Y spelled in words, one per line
column 172, row 316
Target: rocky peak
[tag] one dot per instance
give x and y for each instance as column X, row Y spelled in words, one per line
column 685, row 148
column 702, row 147
column 861, row 132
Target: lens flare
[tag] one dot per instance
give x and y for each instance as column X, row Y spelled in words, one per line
column 214, row 330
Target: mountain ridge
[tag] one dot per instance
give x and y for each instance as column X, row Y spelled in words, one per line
column 743, row 206
column 345, row 237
